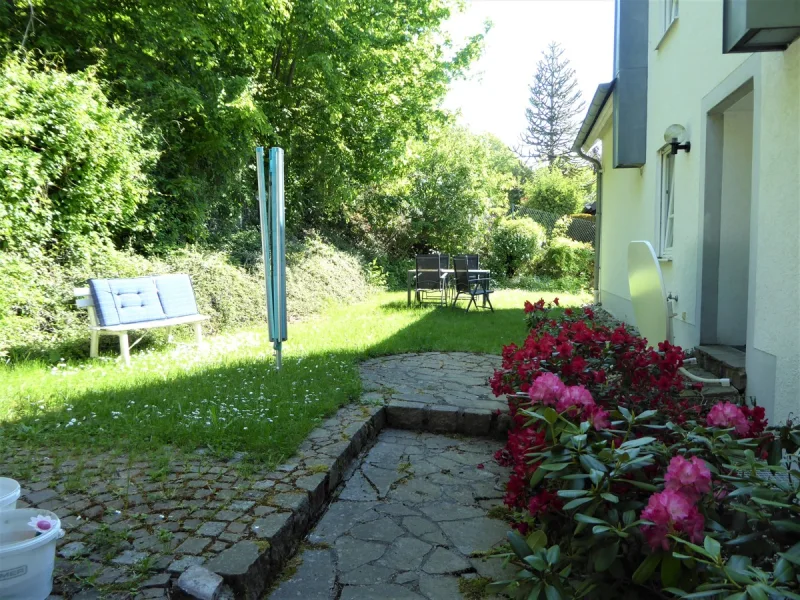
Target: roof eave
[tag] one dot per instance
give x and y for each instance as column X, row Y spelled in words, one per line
column 601, row 96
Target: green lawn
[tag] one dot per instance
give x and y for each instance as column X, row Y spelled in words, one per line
column 228, row 397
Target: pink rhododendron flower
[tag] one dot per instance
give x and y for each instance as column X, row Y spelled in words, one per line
column 671, row 512
column 691, row 477
column 547, row 389
column 726, row 414
column 574, row 396
column 597, row 417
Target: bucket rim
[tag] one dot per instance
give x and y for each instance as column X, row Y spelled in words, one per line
column 9, row 496
column 35, row 542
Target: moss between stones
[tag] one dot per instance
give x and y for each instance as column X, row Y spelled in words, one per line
column 499, row 512
column 473, row 588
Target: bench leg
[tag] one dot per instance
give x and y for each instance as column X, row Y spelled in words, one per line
column 198, row 333
column 124, row 349
column 94, row 344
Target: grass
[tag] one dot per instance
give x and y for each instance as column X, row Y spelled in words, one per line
column 228, row 397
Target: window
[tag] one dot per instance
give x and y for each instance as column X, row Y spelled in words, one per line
column 670, row 13
column 666, row 212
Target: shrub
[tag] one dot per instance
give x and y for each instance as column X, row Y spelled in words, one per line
column 38, row 316
column 622, row 489
column 563, row 257
column 514, row 244
column 551, row 191
column 72, row 167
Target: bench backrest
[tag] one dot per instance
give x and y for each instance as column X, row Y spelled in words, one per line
column 139, row 299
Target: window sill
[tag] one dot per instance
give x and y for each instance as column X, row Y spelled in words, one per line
column 664, row 35
column 665, row 259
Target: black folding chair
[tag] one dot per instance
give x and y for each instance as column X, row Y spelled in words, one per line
column 430, row 278
column 473, row 286
column 444, row 261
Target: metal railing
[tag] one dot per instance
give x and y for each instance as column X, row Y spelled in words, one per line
column 577, row 228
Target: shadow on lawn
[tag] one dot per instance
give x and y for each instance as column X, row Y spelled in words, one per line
column 245, row 404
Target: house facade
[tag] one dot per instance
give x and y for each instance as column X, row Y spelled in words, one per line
column 723, row 211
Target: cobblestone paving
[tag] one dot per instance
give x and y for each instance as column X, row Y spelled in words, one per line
column 134, row 525
column 455, row 379
column 406, row 524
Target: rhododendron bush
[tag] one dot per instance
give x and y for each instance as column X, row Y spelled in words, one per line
column 621, row 488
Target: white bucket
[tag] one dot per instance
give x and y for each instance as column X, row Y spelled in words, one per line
column 9, row 492
column 27, row 559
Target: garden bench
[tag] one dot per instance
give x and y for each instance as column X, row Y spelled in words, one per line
column 117, row 306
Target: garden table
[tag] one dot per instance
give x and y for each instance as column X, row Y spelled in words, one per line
column 412, row 272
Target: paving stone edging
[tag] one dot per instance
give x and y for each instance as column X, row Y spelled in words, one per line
column 249, row 567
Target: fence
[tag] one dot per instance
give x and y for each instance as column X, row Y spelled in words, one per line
column 579, row 229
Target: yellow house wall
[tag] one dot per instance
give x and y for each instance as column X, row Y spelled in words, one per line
column 686, row 68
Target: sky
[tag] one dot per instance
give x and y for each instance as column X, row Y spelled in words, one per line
column 494, row 97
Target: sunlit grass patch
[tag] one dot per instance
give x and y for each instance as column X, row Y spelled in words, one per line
column 227, row 396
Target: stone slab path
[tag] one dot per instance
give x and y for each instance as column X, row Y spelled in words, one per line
column 455, row 379
column 406, row 524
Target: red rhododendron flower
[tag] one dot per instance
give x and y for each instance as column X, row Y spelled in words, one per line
column 726, row 415
column 671, row 513
column 544, row 501
column 757, row 418
column 528, row 307
column 555, row 301
column 691, row 477
column 547, row 389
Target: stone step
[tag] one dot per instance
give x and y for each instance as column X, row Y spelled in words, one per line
column 711, row 392
column 723, row 361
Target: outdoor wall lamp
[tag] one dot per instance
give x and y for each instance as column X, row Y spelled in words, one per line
column 675, row 136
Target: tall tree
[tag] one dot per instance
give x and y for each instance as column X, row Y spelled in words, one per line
column 555, row 105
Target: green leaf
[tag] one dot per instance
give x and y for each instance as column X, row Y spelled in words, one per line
column 497, row 587
column 572, row 493
column 711, row 546
column 605, row 557
column 598, row 529
column 766, row 502
column 537, row 589
column 756, row 593
column 518, row 545
column 550, row 415
column 744, row 539
column 582, row 518
column 739, row 596
column 626, row 414
column 610, row 497
column 792, row 558
column 670, row 571
column 786, row 525
column 647, row 568
column 537, row 477
column 552, row 593
column 649, row 487
column 589, row 462
column 646, row 415
column 536, row 540
column 642, row 441
column 783, row 571
column 553, row 466
column 553, row 554
column 536, row 562
column 576, row 503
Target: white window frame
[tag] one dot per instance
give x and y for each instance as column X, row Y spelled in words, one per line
column 665, row 213
column 669, row 15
